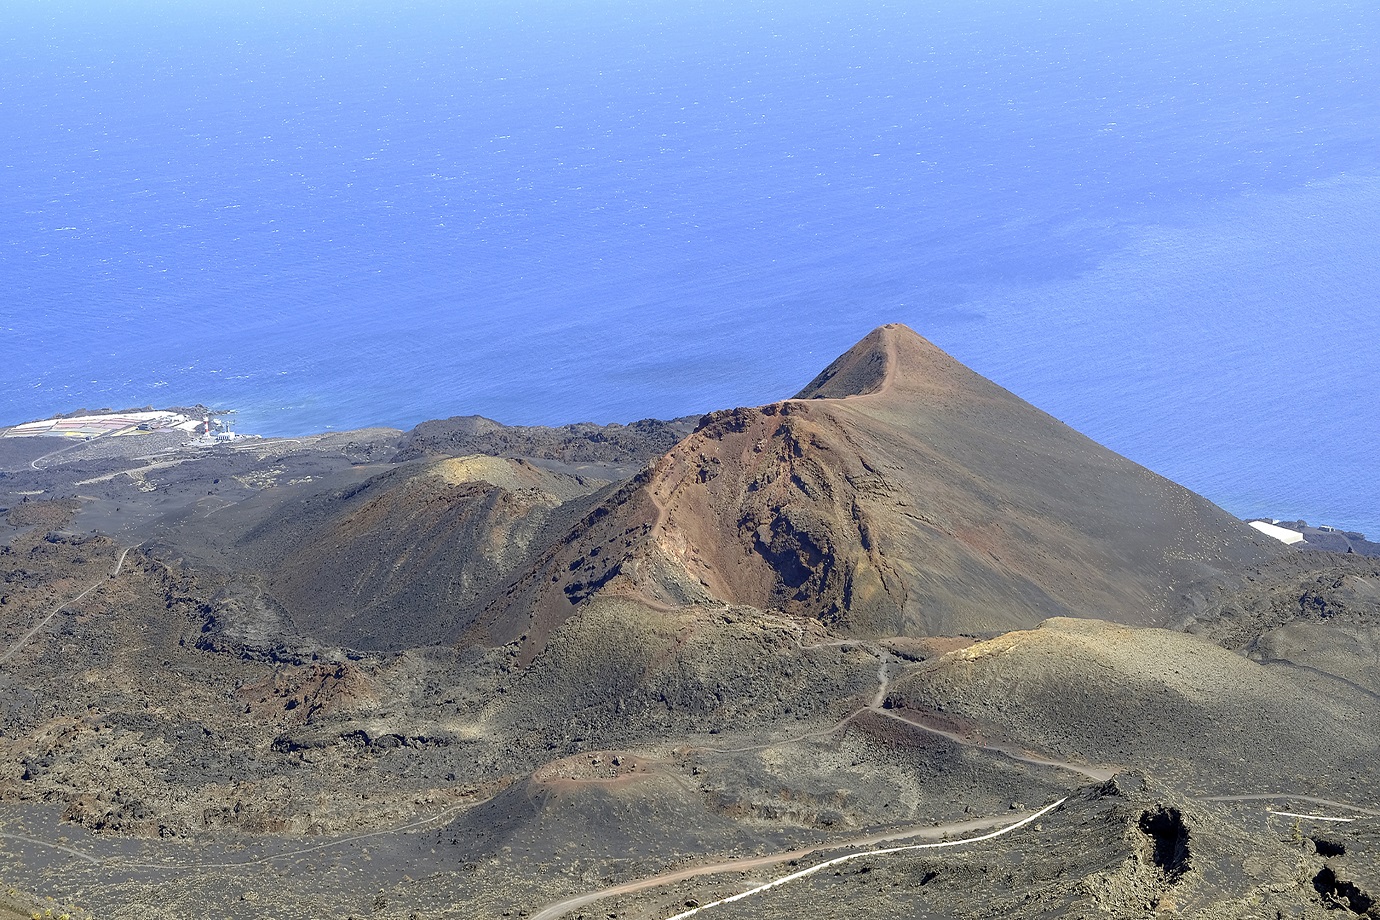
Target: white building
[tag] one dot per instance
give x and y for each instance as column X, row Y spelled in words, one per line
column 1283, row 534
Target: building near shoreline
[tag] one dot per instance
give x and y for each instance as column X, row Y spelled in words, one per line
column 1282, row 534
column 86, row 427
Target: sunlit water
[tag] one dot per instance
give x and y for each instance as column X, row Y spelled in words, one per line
column 1158, row 221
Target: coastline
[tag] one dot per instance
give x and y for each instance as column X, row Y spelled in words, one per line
column 143, row 432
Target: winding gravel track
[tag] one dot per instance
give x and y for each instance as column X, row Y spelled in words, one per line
column 883, row 852
column 67, row 603
column 1275, row 796
column 884, row 660
column 1292, row 814
column 735, row 865
column 53, row 453
column 739, row 865
column 53, row 846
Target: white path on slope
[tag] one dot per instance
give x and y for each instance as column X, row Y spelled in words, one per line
column 52, row 846
column 1270, row 796
column 760, row 862
column 869, row 853
column 135, row 472
column 54, row 612
column 53, row 453
column 883, row 678
column 1292, row 814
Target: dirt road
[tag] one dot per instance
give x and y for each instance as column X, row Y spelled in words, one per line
column 67, row 603
column 1004, row 825
column 1276, row 796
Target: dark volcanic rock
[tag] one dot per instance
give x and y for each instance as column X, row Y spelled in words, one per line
column 529, row 666
column 579, row 443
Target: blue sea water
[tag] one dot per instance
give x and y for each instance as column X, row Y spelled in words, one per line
column 1158, row 220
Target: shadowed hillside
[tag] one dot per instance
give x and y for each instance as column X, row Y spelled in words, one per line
column 401, row 559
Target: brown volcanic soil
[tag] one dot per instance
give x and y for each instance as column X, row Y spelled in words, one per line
column 257, row 716
column 1170, row 704
column 924, row 500
column 401, row 559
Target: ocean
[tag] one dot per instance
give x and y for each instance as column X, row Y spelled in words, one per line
column 1157, row 220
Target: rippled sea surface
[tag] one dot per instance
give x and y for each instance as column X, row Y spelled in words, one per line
column 1158, row 221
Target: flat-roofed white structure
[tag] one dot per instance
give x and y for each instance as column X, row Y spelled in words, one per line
column 95, row 426
column 1283, row 534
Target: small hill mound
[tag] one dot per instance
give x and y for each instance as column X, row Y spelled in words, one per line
column 1165, row 702
column 402, row 559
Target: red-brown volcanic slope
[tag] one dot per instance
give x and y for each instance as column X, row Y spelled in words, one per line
column 898, row 494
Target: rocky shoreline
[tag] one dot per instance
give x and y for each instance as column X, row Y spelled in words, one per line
column 1324, row 537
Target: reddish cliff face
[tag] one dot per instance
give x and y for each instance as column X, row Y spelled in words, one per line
column 898, row 494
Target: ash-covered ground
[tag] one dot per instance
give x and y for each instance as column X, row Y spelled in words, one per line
column 628, row 671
